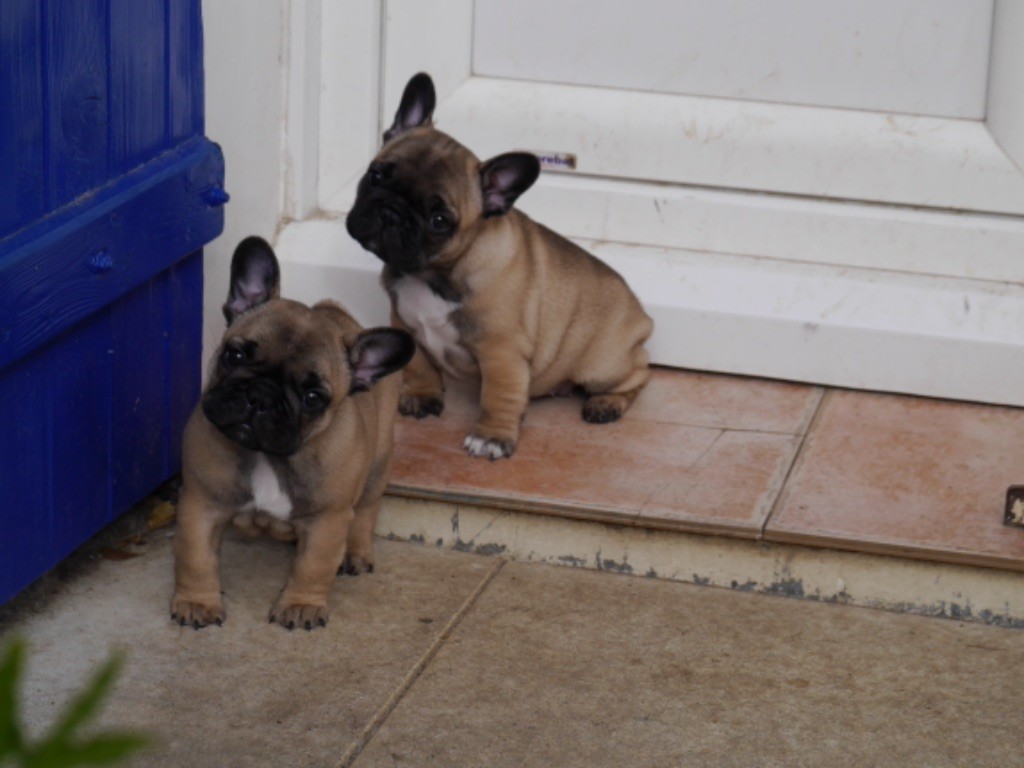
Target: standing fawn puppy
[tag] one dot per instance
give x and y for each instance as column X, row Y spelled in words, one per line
column 293, row 437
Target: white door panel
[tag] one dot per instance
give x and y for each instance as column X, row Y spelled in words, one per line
column 816, row 152
column 1005, row 117
column 923, row 57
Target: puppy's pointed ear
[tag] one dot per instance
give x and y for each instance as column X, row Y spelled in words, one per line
column 255, row 277
column 376, row 353
column 504, row 178
column 417, row 107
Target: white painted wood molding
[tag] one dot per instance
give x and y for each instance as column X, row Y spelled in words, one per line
column 865, row 329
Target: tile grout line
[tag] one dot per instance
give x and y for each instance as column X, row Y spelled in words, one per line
column 783, row 432
column 797, row 456
column 646, row 502
column 382, row 714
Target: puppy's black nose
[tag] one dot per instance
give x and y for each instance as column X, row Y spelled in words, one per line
column 262, row 397
column 387, row 216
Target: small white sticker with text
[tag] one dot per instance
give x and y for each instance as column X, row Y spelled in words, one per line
column 556, row 161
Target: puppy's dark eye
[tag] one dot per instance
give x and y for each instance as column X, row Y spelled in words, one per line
column 314, row 400
column 440, row 223
column 375, row 176
column 232, row 357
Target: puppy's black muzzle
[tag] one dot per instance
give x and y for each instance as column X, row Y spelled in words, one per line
column 387, row 226
column 388, row 216
column 256, row 414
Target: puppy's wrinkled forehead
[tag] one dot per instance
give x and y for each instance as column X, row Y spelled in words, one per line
column 427, row 162
column 291, row 334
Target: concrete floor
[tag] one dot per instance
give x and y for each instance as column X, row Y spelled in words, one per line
column 444, row 658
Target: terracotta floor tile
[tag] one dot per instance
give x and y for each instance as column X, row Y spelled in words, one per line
column 692, row 398
column 905, row 475
column 731, row 489
column 669, row 453
column 562, row 463
column 727, row 402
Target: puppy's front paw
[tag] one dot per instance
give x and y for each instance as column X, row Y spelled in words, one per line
column 420, row 406
column 196, row 614
column 303, row 615
column 488, row 447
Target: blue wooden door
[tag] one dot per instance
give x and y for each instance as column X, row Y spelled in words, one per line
column 108, row 191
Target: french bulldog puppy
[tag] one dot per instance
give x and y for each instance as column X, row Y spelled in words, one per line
column 292, row 437
column 488, row 293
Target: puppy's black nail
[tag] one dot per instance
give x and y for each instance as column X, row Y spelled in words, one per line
column 220, row 622
column 323, row 622
column 196, row 624
column 291, row 625
column 309, row 625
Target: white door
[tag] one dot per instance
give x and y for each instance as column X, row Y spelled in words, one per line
column 877, row 100
column 817, row 190
column 920, row 57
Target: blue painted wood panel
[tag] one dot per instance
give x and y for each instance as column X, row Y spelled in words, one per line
column 68, row 265
column 75, row 71
column 185, row 72
column 22, row 143
column 90, row 89
column 90, row 435
column 108, row 191
column 138, row 81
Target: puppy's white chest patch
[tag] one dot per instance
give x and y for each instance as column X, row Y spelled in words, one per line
column 429, row 318
column 267, row 494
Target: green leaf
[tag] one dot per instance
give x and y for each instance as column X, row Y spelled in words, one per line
column 104, row 749
column 60, row 748
column 51, row 755
column 10, row 671
column 110, row 747
column 86, row 704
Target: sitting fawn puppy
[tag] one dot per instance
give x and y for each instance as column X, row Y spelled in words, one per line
column 488, row 293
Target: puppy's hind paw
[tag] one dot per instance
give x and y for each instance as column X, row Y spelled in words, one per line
column 420, row 406
column 602, row 409
column 492, row 449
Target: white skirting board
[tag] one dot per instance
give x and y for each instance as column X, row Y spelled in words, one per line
column 823, row 324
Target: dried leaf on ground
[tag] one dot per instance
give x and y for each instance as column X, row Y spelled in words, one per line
column 110, row 553
column 161, row 515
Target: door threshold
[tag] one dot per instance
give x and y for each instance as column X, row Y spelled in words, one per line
column 822, row 324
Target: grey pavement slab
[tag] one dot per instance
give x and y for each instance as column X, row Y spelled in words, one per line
column 444, row 658
column 564, row 667
column 248, row 693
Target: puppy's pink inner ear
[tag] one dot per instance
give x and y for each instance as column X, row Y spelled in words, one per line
column 247, row 295
column 370, row 365
column 376, row 353
column 504, row 178
column 496, row 185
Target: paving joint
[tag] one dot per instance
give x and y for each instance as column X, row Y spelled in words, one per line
column 367, row 734
column 823, row 395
